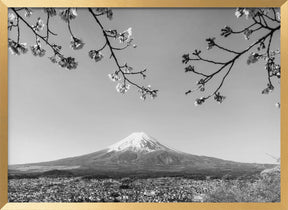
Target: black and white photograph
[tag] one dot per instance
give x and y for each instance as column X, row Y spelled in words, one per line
column 144, row 105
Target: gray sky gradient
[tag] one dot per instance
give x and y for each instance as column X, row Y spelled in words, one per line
column 54, row 113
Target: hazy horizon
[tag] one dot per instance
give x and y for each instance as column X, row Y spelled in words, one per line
column 55, row 113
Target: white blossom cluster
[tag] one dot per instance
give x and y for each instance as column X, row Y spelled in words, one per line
column 76, row 44
column 37, row 50
column 68, row 14
column 17, row 48
column 96, row 55
column 122, row 87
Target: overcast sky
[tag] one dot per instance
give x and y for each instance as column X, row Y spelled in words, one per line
column 55, row 113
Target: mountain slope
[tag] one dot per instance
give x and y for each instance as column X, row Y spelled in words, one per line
column 139, row 155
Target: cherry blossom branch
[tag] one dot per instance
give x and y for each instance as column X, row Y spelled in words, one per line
column 254, row 57
column 68, row 14
column 36, row 34
column 268, row 55
column 275, row 15
column 122, row 87
column 226, row 49
column 65, row 62
column 222, row 81
column 69, row 28
column 199, row 58
column 240, row 32
column 48, row 31
column 18, row 31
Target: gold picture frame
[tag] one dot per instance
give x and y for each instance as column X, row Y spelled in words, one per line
column 5, row 4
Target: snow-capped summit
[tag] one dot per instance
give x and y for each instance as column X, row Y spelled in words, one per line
column 137, row 142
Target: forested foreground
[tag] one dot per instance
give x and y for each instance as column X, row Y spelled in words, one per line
column 262, row 188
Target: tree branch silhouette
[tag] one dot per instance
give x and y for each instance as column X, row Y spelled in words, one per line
column 120, row 70
column 260, row 19
column 67, row 15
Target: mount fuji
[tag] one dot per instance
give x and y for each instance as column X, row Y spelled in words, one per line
column 138, row 155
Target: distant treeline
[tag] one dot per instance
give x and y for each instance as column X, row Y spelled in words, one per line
column 139, row 175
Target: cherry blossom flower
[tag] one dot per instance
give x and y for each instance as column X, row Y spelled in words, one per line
column 114, row 77
column 39, row 25
column 51, row 11
column 199, row 101
column 71, row 63
column 147, row 91
column 129, row 42
column 17, row 48
column 53, row 59
column 11, row 17
column 154, row 94
column 127, row 69
column 76, row 44
column 239, row 12
column 226, row 31
column 278, row 16
column 211, row 43
column 250, row 12
column 219, row 98
column 56, row 47
column 96, row 55
column 68, row 14
column 200, row 82
column 143, row 93
column 28, row 12
column 122, row 88
column 73, row 13
column 189, row 68
column 37, row 50
column 68, row 63
column 269, row 89
column 109, row 14
column 107, row 11
column 247, row 33
column 277, row 71
column 125, row 35
column 253, row 58
column 185, row 58
column 112, row 33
